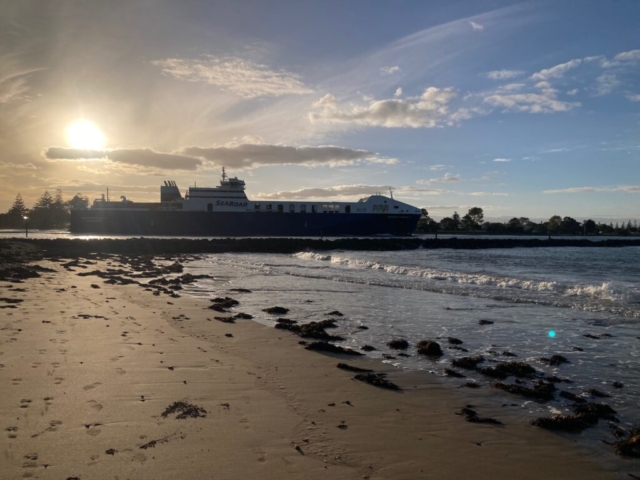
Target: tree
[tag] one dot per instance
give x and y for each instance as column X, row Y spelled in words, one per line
column 18, row 209
column 426, row 223
column 554, row 224
column 477, row 215
column 40, row 214
column 590, row 227
column 570, row 226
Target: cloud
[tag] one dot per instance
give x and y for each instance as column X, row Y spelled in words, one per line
column 573, row 92
column 634, row 98
column 476, row 26
column 242, row 77
column 398, row 92
column 503, row 160
column 545, row 102
column 447, row 178
column 557, row 71
column 389, row 70
column 630, row 56
column 429, row 110
column 141, row 157
column 343, row 191
column 437, row 167
column 618, row 188
column 504, row 74
column 486, row 194
column 511, row 87
column 606, row 83
column 19, row 166
column 256, row 155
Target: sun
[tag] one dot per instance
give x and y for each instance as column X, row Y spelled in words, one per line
column 85, row 135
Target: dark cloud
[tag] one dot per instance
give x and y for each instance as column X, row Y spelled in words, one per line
column 255, row 155
column 143, row 157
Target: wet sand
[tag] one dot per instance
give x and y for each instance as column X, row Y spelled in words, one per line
column 88, row 368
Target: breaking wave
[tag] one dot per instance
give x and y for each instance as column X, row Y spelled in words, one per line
column 608, row 296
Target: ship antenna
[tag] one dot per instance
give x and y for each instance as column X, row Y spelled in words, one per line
column 391, row 192
column 224, row 175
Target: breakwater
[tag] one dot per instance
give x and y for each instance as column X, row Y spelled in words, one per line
column 160, row 246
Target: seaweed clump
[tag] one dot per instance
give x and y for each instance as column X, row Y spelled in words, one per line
column 468, row 363
column 506, row 369
column 184, row 410
column 377, row 380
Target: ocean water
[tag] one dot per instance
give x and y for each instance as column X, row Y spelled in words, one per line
column 427, row 294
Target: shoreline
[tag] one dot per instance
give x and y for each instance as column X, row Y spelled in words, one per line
column 267, row 400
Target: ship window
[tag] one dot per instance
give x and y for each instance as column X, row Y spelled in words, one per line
column 209, row 207
column 292, row 208
column 268, row 207
column 303, row 209
column 314, row 209
column 280, row 208
column 257, row 206
column 330, row 208
column 347, row 209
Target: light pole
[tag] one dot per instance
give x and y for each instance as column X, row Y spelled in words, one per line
column 26, row 226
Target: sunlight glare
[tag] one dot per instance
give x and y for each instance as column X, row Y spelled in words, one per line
column 85, row 135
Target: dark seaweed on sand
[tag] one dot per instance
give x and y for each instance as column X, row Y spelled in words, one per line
column 184, row 410
column 351, row 368
column 377, row 380
column 330, row 348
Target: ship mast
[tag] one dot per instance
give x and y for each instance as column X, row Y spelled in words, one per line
column 224, row 175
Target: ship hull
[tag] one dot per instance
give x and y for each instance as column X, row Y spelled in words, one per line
column 239, row 224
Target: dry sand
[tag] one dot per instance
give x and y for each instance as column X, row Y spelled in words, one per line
column 87, row 372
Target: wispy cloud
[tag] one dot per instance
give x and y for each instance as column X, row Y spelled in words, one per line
column 476, row 26
column 447, row 178
column 634, row 98
column 142, row 157
column 19, row 166
column 557, row 71
column 398, row 92
column 242, row 77
column 428, row 110
column 504, row 74
column 389, row 70
column 573, row 91
column 606, row 83
column 630, row 56
column 545, row 102
column 502, row 160
column 344, row 191
column 256, row 155
column 437, row 167
column 618, row 188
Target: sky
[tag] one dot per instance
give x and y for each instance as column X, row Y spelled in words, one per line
column 522, row 108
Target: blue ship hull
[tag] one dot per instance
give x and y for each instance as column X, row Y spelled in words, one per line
column 239, row 224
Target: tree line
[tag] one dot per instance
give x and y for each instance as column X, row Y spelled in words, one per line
column 473, row 221
column 49, row 211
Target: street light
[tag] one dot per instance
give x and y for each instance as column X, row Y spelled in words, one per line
column 26, row 226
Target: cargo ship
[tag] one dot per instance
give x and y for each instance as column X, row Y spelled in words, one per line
column 225, row 210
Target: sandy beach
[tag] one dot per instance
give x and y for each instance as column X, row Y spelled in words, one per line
column 89, row 371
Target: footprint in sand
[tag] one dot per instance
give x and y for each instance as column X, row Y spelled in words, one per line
column 58, row 380
column 24, row 403
column 93, row 429
column 16, row 381
column 12, row 432
column 120, row 371
column 95, row 405
column 92, row 386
